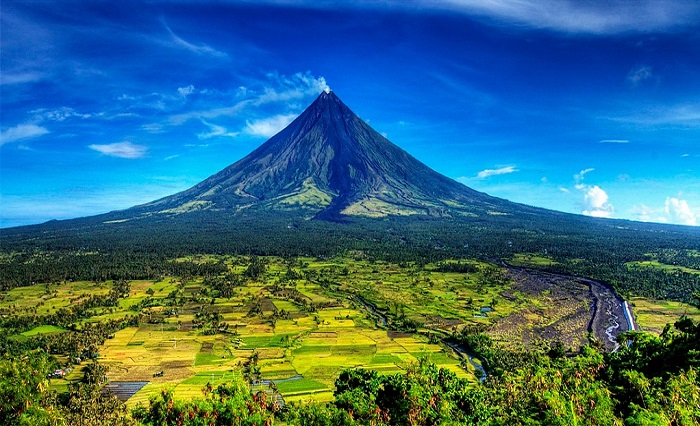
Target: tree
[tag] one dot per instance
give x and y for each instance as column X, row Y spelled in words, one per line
column 24, row 396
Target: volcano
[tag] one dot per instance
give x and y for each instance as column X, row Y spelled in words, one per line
column 330, row 164
column 328, row 183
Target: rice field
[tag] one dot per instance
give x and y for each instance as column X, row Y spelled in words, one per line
column 295, row 328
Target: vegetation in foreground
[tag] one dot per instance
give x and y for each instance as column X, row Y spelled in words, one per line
column 653, row 381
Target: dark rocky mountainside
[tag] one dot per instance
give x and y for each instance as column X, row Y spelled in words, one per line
column 330, row 163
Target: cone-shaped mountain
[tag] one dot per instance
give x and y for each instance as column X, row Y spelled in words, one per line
column 330, row 163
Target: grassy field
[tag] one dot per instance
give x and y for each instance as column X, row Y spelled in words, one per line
column 304, row 332
column 534, row 260
column 663, row 266
column 653, row 315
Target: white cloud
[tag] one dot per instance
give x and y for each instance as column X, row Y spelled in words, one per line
column 215, row 131
column 679, row 212
column 493, row 172
column 638, row 75
column 120, row 149
column 595, row 199
column 21, row 132
column 59, row 114
column 268, row 127
column 185, row 91
column 674, row 210
column 596, row 202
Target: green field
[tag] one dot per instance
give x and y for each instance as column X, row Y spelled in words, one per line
column 662, row 266
column 653, row 315
column 298, row 323
column 43, row 329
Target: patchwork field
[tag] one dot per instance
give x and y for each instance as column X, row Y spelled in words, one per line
column 290, row 326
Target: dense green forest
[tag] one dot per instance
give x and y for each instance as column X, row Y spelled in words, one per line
column 594, row 248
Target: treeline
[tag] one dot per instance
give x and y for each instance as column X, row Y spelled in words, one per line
column 28, row 268
column 635, row 280
column 140, row 249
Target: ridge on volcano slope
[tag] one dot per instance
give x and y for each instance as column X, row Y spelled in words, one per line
column 329, row 163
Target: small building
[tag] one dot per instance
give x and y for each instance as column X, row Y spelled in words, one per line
column 57, row 374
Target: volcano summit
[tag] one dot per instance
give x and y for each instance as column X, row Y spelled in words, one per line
column 331, row 164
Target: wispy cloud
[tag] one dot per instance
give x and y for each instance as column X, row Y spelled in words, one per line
column 683, row 115
column 292, row 87
column 645, row 213
column 121, row 150
column 237, row 108
column 578, row 177
column 569, row 16
column 622, row 141
column 21, row 132
column 675, row 210
column 572, row 16
column 215, row 131
column 274, row 89
column 199, row 49
column 59, row 114
column 185, row 91
column 639, row 74
column 268, row 127
column 494, row 172
column 20, row 77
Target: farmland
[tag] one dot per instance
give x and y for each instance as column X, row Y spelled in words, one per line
column 292, row 325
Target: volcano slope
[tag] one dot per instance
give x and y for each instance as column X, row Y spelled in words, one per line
column 328, row 183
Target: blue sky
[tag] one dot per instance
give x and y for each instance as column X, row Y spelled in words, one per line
column 585, row 107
